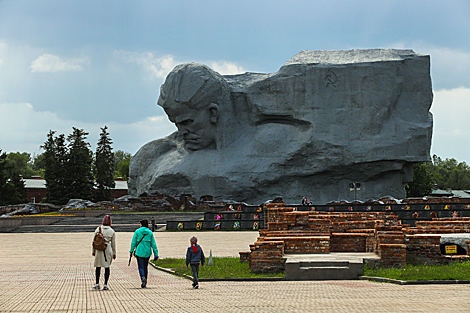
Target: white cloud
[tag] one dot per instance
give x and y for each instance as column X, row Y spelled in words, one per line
column 450, row 67
column 3, row 48
column 53, row 63
column 451, row 123
column 227, row 68
column 24, row 129
column 158, row 67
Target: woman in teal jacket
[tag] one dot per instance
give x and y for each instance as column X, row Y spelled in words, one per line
column 143, row 242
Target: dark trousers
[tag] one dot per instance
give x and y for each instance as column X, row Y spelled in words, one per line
column 106, row 275
column 195, row 273
column 143, row 264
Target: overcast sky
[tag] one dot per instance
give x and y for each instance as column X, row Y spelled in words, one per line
column 87, row 64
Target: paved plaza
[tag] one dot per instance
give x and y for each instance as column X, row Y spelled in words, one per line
column 54, row 273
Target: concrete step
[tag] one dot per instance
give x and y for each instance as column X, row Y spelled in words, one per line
column 332, row 266
column 314, row 271
column 314, row 266
column 75, row 228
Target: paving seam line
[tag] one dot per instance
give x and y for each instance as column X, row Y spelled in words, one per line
column 414, row 282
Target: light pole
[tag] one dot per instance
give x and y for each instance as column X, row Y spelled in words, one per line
column 355, row 187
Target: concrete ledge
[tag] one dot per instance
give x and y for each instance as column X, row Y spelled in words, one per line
column 9, row 223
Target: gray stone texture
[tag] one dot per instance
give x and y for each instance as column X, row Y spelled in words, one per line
column 324, row 120
column 458, row 239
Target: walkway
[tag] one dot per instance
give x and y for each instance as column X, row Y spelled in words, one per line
column 54, row 273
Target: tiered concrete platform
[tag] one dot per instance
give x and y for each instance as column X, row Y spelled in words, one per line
column 54, row 273
column 331, row 266
column 122, row 222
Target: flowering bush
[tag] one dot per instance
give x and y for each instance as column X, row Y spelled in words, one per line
column 43, row 215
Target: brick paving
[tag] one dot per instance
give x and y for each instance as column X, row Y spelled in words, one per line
column 54, row 273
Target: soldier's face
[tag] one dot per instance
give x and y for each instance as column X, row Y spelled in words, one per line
column 197, row 127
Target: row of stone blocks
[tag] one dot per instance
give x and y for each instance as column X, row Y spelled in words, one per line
column 347, row 232
column 440, row 226
column 215, row 225
column 289, row 231
column 245, row 217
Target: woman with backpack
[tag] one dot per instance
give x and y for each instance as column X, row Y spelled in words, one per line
column 142, row 245
column 104, row 250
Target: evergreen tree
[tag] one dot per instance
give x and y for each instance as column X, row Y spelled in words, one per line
column 104, row 167
column 62, row 158
column 15, row 190
column 54, row 163
column 79, row 179
column 3, row 178
column 12, row 190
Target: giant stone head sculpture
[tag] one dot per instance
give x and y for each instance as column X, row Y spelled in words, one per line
column 193, row 96
column 325, row 120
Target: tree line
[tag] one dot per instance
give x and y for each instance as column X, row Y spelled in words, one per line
column 443, row 174
column 71, row 170
column 68, row 165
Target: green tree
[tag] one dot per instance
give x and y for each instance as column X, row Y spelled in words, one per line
column 104, row 167
column 38, row 164
column 12, row 190
column 54, row 162
column 450, row 173
column 121, row 164
column 123, row 170
column 422, row 181
column 21, row 163
column 459, row 179
column 79, row 179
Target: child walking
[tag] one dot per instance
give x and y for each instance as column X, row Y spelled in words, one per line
column 194, row 255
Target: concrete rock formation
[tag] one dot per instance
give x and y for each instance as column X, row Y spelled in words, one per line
column 79, row 204
column 324, row 120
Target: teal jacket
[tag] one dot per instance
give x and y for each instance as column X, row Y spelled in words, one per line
column 145, row 247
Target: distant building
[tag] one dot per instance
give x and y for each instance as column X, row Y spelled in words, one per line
column 436, row 192
column 36, row 188
column 120, row 188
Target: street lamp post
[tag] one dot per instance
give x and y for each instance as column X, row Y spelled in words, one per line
column 355, row 187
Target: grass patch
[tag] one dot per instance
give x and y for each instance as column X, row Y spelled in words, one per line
column 227, row 267
column 455, row 271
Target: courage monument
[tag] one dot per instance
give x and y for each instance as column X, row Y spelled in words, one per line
column 325, row 120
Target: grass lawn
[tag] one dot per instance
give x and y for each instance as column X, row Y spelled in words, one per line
column 455, row 271
column 222, row 268
column 230, row 267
